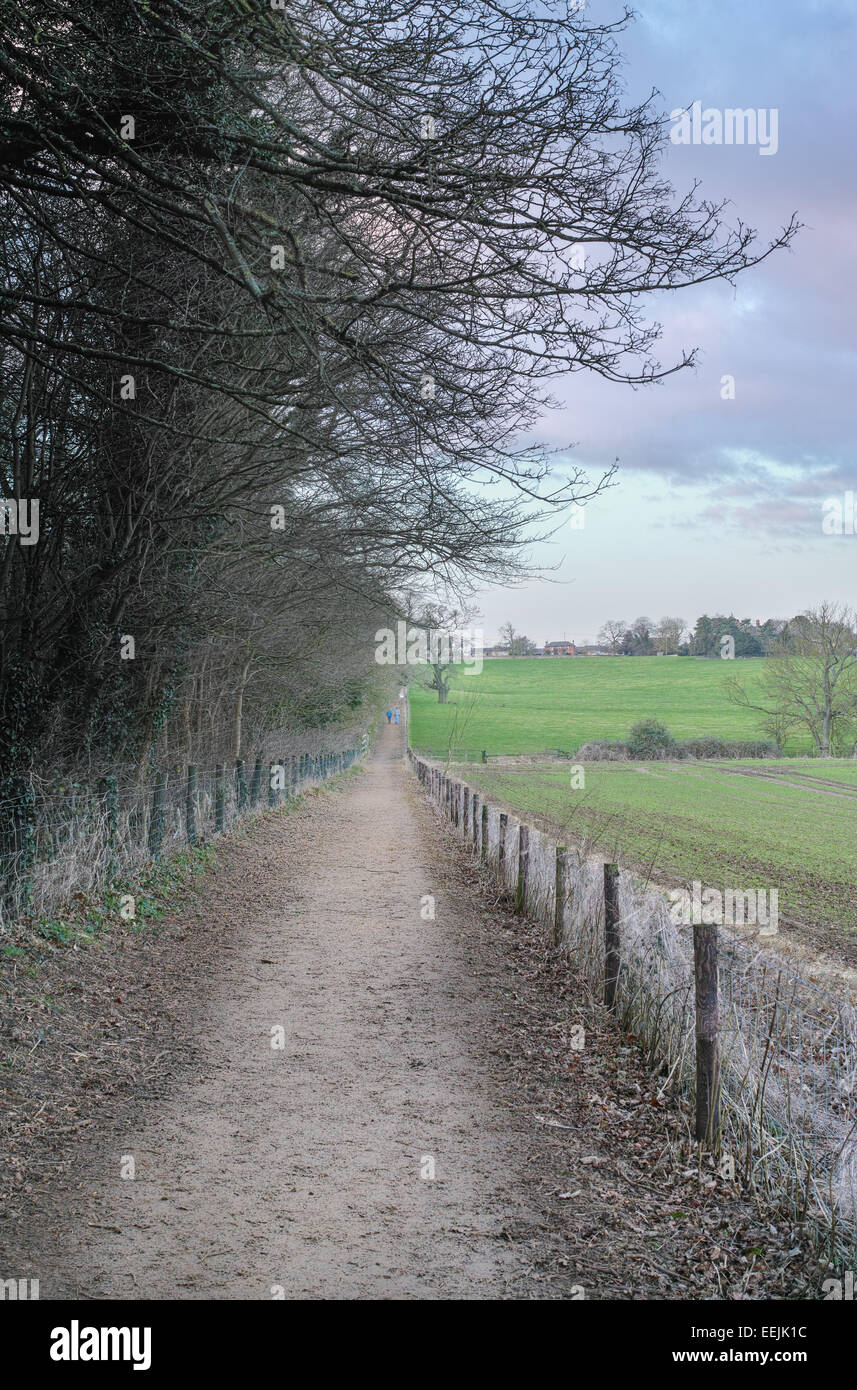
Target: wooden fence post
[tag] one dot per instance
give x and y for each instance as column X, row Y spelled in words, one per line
column 219, row 799
column 707, row 1064
column 256, row 784
column 475, row 806
column 466, row 813
column 611, row 934
column 109, row 790
column 272, row 790
column 156, row 824
column 501, row 848
column 18, row 844
column 190, row 803
column 559, row 891
column 523, row 867
column 483, row 837
column 240, row 785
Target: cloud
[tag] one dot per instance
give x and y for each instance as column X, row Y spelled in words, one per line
column 757, row 468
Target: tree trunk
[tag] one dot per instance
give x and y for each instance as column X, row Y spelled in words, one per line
column 187, row 737
column 825, row 734
column 239, row 713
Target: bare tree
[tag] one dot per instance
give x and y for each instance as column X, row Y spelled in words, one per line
column 810, row 679
column 445, row 639
column 517, row 643
column 668, row 635
column 612, row 634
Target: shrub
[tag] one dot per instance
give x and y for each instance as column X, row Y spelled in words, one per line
column 711, row 747
column 753, row 748
column 706, row 748
column 603, row 750
column 649, row 738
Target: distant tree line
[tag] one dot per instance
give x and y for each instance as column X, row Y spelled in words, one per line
column 674, row 637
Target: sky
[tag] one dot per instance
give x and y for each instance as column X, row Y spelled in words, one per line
column 718, row 503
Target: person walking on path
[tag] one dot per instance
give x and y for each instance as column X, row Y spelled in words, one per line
column 397, row 714
column 389, row 715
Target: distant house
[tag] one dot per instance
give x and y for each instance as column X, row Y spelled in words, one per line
column 559, row 648
column 496, row 651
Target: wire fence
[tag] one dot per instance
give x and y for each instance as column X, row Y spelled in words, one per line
column 57, row 841
column 744, row 749
column 780, row 1052
column 459, row 754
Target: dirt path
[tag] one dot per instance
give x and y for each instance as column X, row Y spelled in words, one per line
column 409, row 1044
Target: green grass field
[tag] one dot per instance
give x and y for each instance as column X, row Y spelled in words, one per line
column 788, row 824
column 542, row 705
